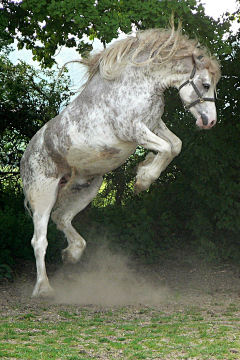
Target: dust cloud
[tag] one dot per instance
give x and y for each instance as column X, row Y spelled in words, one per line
column 107, row 279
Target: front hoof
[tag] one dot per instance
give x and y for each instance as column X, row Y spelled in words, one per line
column 138, row 187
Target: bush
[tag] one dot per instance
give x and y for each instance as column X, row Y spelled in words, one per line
column 16, row 229
column 134, row 229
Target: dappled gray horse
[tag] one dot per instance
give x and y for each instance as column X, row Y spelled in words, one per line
column 119, row 108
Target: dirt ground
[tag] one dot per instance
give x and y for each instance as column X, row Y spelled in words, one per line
column 108, row 280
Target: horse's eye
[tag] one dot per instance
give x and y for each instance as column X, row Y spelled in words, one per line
column 206, row 86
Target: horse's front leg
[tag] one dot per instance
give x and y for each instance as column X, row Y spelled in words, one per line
column 166, row 144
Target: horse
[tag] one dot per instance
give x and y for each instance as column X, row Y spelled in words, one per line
column 119, row 108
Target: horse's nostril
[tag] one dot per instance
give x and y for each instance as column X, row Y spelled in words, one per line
column 204, row 119
column 212, row 123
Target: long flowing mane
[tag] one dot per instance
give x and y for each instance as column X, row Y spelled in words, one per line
column 149, row 47
column 62, row 169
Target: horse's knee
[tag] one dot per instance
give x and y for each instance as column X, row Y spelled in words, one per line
column 177, row 147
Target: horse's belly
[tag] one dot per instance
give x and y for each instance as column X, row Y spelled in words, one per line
column 92, row 161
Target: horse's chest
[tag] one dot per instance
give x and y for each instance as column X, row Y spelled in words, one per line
column 151, row 117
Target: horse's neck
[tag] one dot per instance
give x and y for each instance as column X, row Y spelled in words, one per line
column 134, row 83
column 169, row 75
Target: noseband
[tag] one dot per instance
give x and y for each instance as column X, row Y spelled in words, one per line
column 200, row 99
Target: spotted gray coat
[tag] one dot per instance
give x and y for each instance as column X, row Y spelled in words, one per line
column 63, row 165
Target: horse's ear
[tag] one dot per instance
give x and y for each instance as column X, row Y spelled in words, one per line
column 198, row 61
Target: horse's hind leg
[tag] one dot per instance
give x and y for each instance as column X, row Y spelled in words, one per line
column 67, row 207
column 42, row 202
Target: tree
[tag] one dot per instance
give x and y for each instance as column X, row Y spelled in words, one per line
column 45, row 25
column 28, row 99
column 198, row 196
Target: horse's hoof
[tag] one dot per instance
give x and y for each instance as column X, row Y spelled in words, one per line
column 43, row 291
column 138, row 187
column 68, row 259
column 73, row 253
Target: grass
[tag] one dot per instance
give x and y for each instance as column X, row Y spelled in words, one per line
column 131, row 333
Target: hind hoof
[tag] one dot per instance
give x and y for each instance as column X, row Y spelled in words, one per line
column 68, row 258
column 43, row 290
column 72, row 254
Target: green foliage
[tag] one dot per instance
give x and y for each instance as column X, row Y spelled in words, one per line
column 129, row 229
column 196, row 200
column 16, row 232
column 28, row 99
column 45, row 25
column 16, row 229
column 142, row 228
column 5, row 272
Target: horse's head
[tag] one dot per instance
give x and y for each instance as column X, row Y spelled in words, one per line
column 197, row 93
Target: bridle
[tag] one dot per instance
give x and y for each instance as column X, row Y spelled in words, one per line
column 200, row 99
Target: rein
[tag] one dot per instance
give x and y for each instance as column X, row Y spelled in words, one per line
column 200, row 99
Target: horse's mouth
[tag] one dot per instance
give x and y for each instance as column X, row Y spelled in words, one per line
column 204, row 122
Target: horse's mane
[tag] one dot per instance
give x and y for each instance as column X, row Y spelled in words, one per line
column 148, row 47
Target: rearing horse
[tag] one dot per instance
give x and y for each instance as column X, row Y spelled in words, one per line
column 119, row 108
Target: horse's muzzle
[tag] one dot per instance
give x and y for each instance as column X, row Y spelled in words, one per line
column 205, row 123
